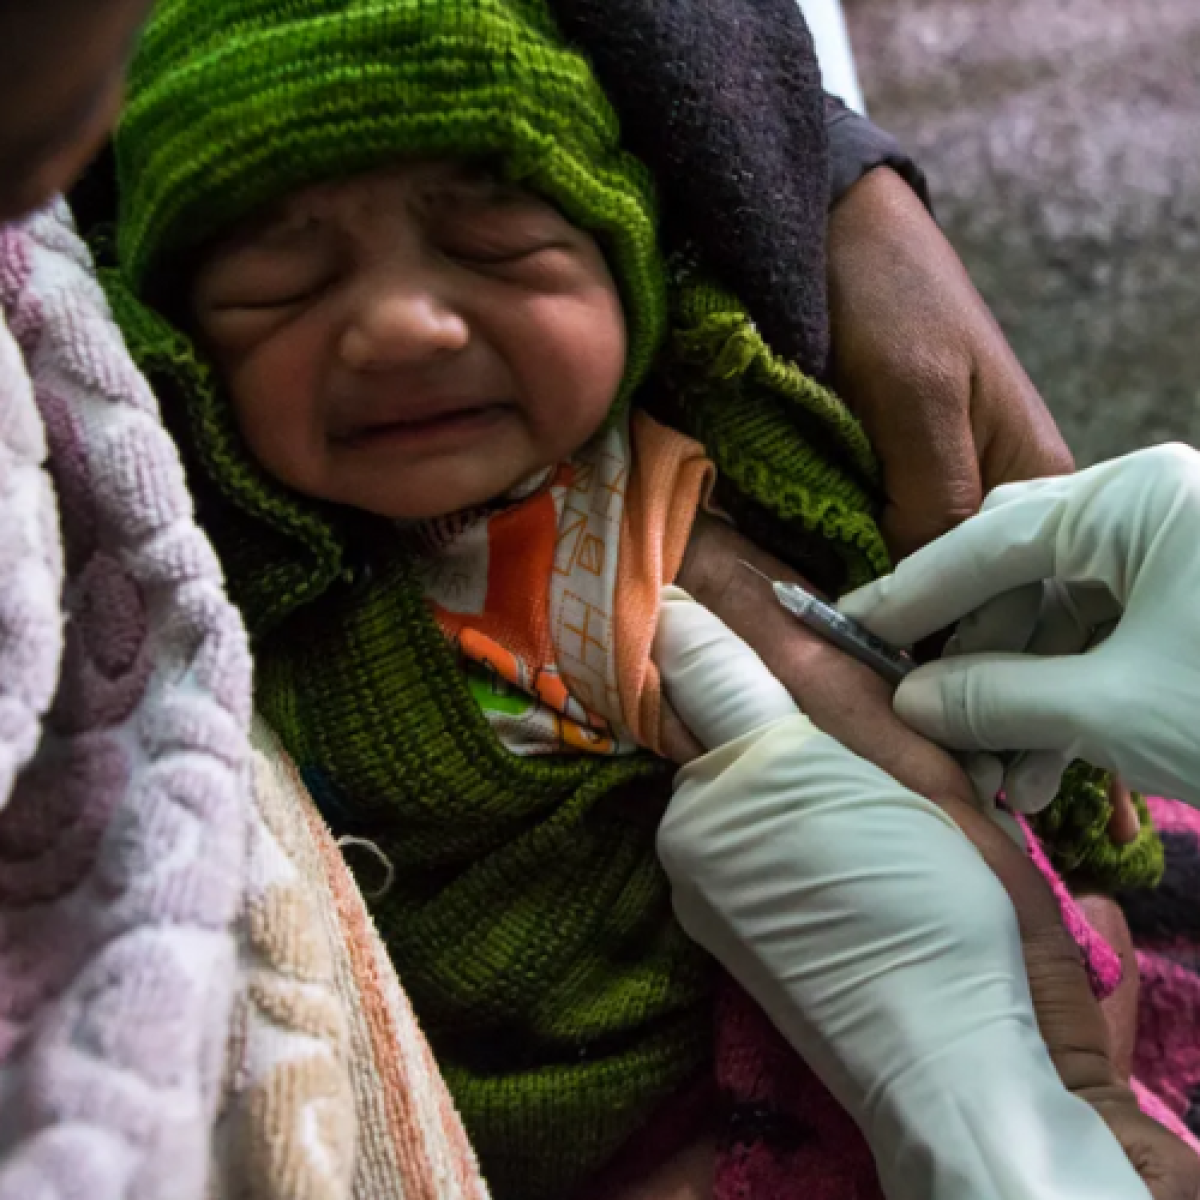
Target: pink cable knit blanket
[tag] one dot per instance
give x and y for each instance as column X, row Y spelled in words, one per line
column 193, row 1000
column 124, row 706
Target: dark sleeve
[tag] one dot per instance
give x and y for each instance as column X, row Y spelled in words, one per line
column 856, row 147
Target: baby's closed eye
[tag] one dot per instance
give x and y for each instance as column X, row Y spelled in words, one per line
column 262, row 282
column 507, row 238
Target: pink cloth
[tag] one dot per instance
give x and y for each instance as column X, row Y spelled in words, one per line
column 1166, row 931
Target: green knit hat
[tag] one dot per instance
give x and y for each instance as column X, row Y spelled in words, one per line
column 235, row 103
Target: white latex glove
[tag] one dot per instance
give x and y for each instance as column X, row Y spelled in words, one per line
column 874, row 936
column 1119, row 542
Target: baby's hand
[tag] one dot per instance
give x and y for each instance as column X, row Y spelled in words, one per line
column 842, row 697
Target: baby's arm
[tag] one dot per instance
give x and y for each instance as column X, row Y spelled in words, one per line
column 849, row 702
column 842, row 697
column 877, row 940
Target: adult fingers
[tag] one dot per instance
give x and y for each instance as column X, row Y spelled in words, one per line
column 1125, row 824
column 996, row 702
column 1004, row 548
column 928, row 459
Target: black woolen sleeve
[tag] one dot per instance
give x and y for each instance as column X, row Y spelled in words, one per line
column 856, row 146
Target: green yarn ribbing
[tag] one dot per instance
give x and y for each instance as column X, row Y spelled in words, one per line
column 786, row 443
column 531, row 924
column 1075, row 830
column 289, row 552
column 530, row 921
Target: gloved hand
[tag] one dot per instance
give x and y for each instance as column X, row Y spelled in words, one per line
column 873, row 935
column 1119, row 547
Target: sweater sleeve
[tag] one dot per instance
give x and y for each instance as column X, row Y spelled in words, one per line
column 856, row 146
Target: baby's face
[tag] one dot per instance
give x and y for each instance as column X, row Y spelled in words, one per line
column 413, row 341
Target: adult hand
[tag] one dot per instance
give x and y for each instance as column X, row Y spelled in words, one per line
column 821, row 883
column 1080, row 1050
column 920, row 359
column 1119, row 543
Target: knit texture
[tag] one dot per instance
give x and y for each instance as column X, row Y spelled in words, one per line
column 1075, row 829
column 1166, row 929
column 540, row 875
column 781, row 442
column 331, row 1089
column 124, row 702
column 529, row 918
column 193, row 1001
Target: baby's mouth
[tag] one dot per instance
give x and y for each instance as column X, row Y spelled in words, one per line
column 449, row 423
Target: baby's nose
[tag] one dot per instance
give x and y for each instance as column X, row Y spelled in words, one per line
column 401, row 324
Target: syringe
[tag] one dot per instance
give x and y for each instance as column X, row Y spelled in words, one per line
column 847, row 634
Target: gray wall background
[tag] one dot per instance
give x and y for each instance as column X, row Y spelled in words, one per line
column 1062, row 142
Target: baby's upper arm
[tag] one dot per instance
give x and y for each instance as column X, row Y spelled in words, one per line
column 841, row 696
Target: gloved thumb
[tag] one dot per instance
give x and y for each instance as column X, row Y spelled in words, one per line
column 995, row 702
column 715, row 682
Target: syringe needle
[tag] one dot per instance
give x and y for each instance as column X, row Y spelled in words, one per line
column 760, row 574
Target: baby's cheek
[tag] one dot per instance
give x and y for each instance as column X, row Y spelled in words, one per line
column 572, row 357
column 274, row 406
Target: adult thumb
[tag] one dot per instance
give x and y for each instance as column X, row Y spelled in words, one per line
column 717, row 684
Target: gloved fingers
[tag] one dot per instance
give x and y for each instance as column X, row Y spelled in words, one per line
column 1061, row 626
column 986, row 773
column 1012, row 493
column 1033, row 780
column 1066, row 625
column 1004, row 625
column 1010, row 826
column 998, row 551
column 713, row 680
column 995, row 702
column 1034, row 620
column 1042, row 619
column 1073, row 617
column 1047, row 619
